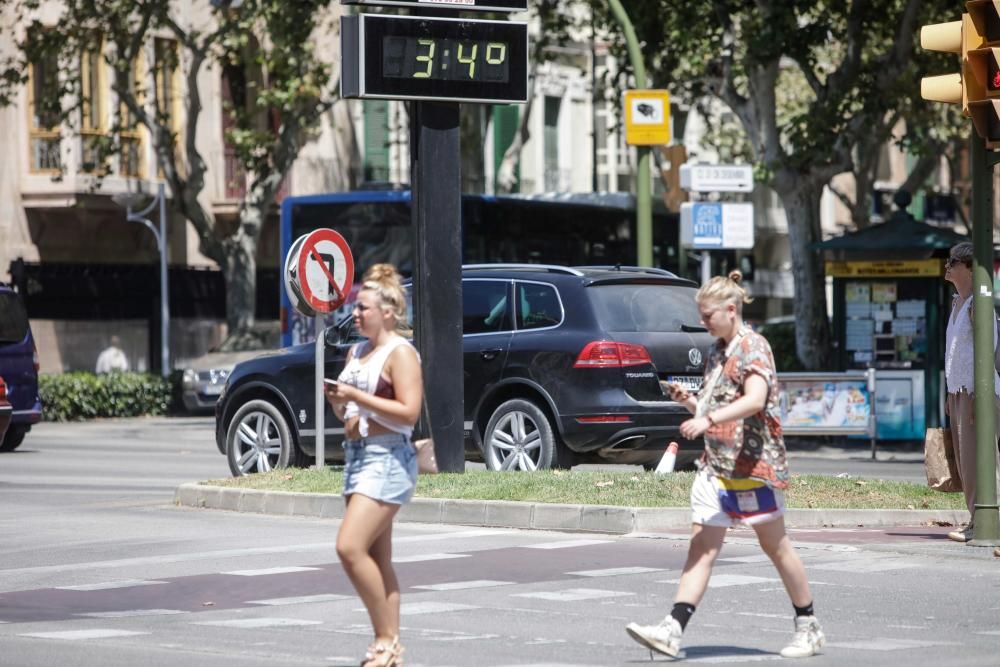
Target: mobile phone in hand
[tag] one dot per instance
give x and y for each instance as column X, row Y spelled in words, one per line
column 328, row 381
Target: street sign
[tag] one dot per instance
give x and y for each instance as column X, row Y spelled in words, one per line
column 442, row 60
column 714, row 225
column 647, row 117
column 325, row 270
column 456, row 5
column 717, row 177
column 291, row 280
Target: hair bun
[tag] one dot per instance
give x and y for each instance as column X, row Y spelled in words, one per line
column 382, row 273
column 736, row 276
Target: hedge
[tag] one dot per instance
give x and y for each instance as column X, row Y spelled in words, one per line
column 81, row 395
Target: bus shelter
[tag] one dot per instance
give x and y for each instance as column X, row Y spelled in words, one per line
column 890, row 312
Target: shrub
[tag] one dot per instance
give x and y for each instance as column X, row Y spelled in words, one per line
column 781, row 336
column 82, row 395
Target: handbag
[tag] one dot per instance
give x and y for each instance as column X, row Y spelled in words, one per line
column 426, row 459
column 939, row 461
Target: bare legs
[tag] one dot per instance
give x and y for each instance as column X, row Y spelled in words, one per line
column 706, row 542
column 364, row 545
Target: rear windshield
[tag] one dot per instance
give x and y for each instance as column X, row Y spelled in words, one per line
column 13, row 319
column 658, row 308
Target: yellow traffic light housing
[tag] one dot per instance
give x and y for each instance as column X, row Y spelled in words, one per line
column 982, row 68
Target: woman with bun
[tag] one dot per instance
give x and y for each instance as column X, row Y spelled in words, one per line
column 378, row 396
column 742, row 473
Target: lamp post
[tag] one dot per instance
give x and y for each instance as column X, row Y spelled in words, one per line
column 128, row 200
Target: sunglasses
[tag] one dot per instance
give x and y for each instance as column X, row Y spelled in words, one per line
column 952, row 261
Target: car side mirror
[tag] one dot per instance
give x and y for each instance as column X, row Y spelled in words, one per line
column 333, row 336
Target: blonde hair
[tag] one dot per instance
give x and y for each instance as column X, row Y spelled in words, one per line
column 384, row 280
column 724, row 289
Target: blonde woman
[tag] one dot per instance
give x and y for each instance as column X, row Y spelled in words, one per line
column 378, row 397
column 742, row 473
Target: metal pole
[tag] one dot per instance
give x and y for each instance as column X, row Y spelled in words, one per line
column 320, row 398
column 164, row 286
column 643, row 205
column 986, row 521
column 872, row 422
column 706, row 267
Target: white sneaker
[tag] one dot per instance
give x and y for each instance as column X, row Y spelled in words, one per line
column 961, row 535
column 807, row 640
column 664, row 638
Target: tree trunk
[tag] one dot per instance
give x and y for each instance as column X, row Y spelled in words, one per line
column 240, row 272
column 812, row 330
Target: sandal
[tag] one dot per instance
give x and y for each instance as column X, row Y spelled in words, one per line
column 384, row 655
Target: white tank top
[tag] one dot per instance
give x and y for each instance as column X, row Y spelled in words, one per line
column 365, row 376
column 959, row 367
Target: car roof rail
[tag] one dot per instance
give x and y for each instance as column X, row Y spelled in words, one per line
column 632, row 269
column 551, row 268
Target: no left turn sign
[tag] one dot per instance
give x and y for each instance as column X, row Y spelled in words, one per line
column 325, row 270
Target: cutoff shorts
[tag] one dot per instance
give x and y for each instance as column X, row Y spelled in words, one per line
column 716, row 501
column 381, row 467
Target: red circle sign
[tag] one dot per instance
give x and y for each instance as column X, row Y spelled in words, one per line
column 326, row 270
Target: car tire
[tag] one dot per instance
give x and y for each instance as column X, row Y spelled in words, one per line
column 519, row 436
column 13, row 439
column 259, row 439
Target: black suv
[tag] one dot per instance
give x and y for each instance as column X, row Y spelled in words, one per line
column 562, row 366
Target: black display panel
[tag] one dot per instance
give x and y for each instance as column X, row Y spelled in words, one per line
column 398, row 57
column 456, row 5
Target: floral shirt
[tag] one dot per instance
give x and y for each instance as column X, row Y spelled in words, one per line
column 752, row 447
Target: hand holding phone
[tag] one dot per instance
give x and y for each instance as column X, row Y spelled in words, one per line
column 676, row 391
column 329, row 383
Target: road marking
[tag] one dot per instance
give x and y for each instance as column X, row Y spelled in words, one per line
column 462, row 585
column 573, row 594
column 76, row 635
column 889, row 644
column 431, row 608
column 109, row 585
column 724, row 580
column 615, row 571
column 739, row 657
column 270, row 570
column 422, row 557
column 302, row 599
column 865, row 565
column 251, row 623
column 568, row 544
column 132, row 612
column 483, row 532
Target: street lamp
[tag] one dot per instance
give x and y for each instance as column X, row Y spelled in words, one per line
column 128, row 200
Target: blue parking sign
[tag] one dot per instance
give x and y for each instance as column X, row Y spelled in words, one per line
column 707, row 219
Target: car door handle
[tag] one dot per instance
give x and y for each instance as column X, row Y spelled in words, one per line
column 490, row 355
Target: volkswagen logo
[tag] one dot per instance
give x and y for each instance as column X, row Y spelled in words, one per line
column 694, row 356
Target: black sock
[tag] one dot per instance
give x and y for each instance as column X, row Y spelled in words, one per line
column 804, row 611
column 682, row 613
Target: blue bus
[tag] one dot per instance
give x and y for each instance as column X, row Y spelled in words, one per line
column 570, row 229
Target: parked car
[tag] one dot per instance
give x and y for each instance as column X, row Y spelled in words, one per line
column 204, row 377
column 564, row 360
column 6, row 411
column 19, row 368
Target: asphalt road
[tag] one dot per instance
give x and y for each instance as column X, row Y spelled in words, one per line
column 98, row 567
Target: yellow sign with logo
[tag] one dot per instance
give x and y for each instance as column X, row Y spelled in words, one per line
column 916, row 268
column 647, row 117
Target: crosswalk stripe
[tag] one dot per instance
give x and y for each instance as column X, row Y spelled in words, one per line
column 302, row 599
column 462, row 585
column 417, row 558
column 252, row 623
column 77, row 635
column 615, row 571
column 573, row 594
column 568, row 544
column 131, row 613
column 109, row 585
column 269, row 571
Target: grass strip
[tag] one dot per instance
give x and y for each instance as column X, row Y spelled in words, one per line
column 623, row 489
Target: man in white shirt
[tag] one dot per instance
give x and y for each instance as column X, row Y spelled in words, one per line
column 112, row 358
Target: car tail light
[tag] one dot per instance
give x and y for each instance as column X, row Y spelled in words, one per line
column 3, row 390
column 609, row 354
column 34, row 356
column 604, row 419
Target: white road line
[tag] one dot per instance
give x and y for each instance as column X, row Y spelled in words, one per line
column 573, row 594
column 889, row 644
column 422, row 557
column 270, row 570
column 481, row 532
column 77, row 635
column 865, row 565
column 740, row 658
column 108, row 585
column 568, row 544
column 723, row 580
column 251, row 623
column 132, row 612
column 615, row 571
column 302, row 599
column 431, row 608
column 462, row 585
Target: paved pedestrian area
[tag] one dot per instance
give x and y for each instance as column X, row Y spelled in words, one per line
column 476, row 596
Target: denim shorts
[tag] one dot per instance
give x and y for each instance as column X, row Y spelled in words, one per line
column 381, row 467
column 732, row 502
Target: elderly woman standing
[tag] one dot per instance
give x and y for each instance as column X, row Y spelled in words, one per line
column 378, row 397
column 743, row 472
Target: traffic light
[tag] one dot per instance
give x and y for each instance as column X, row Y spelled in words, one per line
column 946, row 38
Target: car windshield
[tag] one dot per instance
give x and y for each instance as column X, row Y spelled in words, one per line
column 13, row 319
column 638, row 307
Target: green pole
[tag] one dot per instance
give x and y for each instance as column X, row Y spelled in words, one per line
column 986, row 530
column 643, row 206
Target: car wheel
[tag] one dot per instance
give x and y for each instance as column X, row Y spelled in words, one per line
column 519, row 436
column 13, row 439
column 258, row 439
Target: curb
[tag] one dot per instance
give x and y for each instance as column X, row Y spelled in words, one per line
column 537, row 516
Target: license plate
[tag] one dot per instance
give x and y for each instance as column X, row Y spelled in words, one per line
column 212, row 390
column 689, row 382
